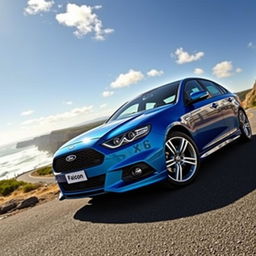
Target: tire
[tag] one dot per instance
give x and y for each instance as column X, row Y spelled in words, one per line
column 244, row 125
column 182, row 159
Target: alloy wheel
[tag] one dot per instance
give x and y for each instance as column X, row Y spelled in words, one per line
column 245, row 125
column 181, row 159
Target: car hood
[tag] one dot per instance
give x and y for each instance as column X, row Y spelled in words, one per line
column 111, row 129
column 95, row 133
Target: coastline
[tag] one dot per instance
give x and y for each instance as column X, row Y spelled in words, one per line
column 15, row 162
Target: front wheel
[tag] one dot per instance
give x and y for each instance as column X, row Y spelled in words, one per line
column 182, row 159
column 245, row 127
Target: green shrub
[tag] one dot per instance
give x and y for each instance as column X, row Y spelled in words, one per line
column 47, row 170
column 8, row 186
column 29, row 187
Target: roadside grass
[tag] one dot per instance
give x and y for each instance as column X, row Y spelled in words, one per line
column 29, row 187
column 43, row 171
column 10, row 185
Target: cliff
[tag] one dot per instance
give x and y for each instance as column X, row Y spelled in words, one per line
column 51, row 142
column 250, row 98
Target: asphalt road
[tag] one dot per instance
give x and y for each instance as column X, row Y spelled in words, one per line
column 252, row 115
column 27, row 177
column 216, row 215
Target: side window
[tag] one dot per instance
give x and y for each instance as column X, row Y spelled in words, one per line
column 224, row 90
column 192, row 86
column 212, row 88
column 150, row 105
column 169, row 99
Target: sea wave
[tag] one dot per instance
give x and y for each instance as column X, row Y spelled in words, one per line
column 14, row 162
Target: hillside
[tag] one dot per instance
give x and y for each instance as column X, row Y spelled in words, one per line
column 242, row 94
column 250, row 98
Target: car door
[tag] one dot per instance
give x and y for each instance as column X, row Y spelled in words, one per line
column 224, row 110
column 232, row 104
column 205, row 117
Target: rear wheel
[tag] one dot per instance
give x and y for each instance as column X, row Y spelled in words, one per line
column 245, row 127
column 182, row 159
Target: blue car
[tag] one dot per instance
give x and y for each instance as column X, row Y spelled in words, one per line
column 162, row 135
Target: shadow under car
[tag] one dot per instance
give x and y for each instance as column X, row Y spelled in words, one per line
column 224, row 177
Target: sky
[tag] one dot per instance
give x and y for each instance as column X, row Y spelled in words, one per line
column 66, row 62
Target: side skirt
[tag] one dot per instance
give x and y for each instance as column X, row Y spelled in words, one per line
column 221, row 145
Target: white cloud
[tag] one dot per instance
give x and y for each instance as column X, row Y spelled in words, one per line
column 96, row 7
column 27, row 112
column 84, row 20
column 37, row 6
column 155, row 72
column 68, row 102
column 126, row 79
column 223, row 69
column 107, row 93
column 103, row 105
column 184, row 57
column 59, row 117
column 198, row 71
column 238, row 70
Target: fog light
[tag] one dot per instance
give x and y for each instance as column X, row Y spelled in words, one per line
column 136, row 172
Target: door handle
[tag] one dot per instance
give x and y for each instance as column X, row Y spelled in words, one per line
column 214, row 105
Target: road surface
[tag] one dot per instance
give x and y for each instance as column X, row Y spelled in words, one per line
column 27, row 177
column 252, row 115
column 216, row 215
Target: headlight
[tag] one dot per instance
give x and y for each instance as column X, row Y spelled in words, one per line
column 127, row 137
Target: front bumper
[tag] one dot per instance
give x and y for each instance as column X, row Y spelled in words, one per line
column 109, row 176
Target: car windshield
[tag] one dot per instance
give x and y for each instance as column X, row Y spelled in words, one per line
column 155, row 98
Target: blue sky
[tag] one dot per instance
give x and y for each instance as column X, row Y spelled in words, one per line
column 52, row 78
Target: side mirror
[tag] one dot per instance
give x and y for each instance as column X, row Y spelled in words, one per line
column 198, row 96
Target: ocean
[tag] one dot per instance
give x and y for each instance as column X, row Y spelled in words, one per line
column 14, row 162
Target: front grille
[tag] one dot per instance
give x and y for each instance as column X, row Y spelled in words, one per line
column 84, row 159
column 91, row 183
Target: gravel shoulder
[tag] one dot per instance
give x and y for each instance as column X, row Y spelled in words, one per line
column 216, row 215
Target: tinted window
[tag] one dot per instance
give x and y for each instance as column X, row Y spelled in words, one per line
column 150, row 105
column 169, row 99
column 163, row 95
column 224, row 90
column 191, row 87
column 130, row 110
column 212, row 88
